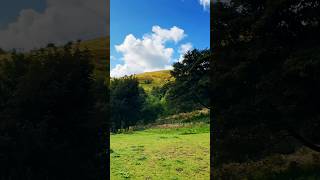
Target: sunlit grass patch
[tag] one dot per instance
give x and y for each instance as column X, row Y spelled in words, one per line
column 162, row 153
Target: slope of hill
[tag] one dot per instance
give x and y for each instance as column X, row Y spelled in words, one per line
column 99, row 49
column 148, row 80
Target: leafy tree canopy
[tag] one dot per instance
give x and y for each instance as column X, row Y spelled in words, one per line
column 265, row 75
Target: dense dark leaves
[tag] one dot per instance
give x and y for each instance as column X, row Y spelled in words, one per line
column 265, row 75
column 126, row 101
column 191, row 87
column 48, row 105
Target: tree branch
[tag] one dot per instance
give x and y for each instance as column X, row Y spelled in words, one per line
column 303, row 140
column 199, row 101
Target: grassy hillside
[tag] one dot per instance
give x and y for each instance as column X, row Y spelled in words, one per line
column 149, row 80
column 99, row 48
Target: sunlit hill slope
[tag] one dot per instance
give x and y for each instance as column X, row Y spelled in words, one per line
column 148, row 80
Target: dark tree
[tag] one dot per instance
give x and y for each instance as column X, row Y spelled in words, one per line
column 126, row 101
column 49, row 129
column 265, row 76
column 191, row 87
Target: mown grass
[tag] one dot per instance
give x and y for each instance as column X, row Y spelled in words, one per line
column 176, row 152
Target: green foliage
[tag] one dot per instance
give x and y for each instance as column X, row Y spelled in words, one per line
column 161, row 91
column 126, row 101
column 147, row 81
column 147, row 105
column 183, row 89
column 190, row 89
column 152, row 109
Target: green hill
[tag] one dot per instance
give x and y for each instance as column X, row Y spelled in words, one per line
column 148, row 80
column 99, row 49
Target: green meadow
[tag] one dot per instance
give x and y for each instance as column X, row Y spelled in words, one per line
column 166, row 151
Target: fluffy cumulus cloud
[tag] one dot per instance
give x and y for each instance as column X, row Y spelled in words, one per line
column 148, row 53
column 61, row 21
column 205, row 4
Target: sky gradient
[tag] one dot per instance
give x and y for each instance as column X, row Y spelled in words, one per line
column 148, row 35
column 145, row 35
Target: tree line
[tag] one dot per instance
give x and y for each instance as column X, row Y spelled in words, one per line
column 131, row 105
column 52, row 114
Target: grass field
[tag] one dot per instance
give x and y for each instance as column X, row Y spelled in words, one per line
column 172, row 151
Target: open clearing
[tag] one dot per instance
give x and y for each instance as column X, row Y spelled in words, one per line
column 170, row 152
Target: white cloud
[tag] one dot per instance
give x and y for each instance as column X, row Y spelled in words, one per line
column 148, row 53
column 61, row 21
column 163, row 35
column 205, row 4
column 183, row 49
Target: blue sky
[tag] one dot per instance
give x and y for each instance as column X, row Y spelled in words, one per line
column 177, row 25
column 150, row 34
